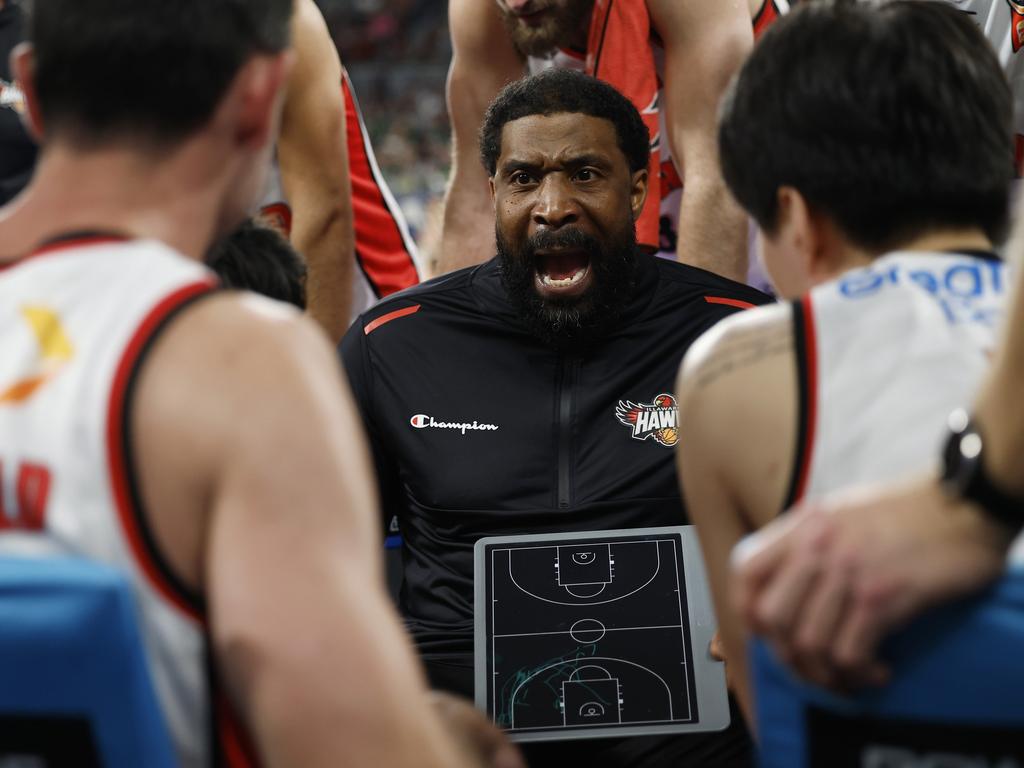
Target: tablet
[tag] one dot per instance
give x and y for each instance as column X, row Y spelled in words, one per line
column 595, row 635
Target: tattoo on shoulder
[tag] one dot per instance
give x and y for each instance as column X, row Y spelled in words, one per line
column 742, row 348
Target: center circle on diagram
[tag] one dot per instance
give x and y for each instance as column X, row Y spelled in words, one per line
column 587, row 631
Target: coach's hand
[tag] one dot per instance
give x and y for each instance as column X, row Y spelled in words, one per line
column 481, row 739
column 825, row 583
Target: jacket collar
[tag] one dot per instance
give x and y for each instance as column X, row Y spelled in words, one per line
column 490, row 294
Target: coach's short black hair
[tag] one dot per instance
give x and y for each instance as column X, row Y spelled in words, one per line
column 258, row 259
column 564, row 90
column 891, row 119
column 154, row 70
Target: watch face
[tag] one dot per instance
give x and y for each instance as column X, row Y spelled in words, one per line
column 960, row 457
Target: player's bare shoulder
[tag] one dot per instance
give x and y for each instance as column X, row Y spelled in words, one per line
column 269, row 356
column 737, row 346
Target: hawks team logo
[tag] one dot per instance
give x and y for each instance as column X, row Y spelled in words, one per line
column 657, row 419
column 1016, row 23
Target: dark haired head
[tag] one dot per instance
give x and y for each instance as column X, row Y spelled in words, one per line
column 255, row 258
column 892, row 120
column 556, row 91
column 151, row 69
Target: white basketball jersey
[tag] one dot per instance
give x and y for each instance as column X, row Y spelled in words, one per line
column 885, row 353
column 75, row 320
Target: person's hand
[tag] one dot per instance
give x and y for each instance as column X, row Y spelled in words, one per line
column 826, row 582
column 717, row 651
column 480, row 739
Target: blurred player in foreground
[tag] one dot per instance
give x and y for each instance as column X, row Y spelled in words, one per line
column 879, row 205
column 136, row 409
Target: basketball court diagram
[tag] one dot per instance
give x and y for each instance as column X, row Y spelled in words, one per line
column 588, row 634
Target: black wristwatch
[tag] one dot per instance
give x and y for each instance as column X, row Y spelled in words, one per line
column 964, row 473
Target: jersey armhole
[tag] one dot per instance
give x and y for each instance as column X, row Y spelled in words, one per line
column 806, row 355
column 121, row 459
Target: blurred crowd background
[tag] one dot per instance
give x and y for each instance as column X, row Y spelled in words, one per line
column 397, row 53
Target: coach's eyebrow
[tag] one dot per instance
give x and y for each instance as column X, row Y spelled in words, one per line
column 574, row 162
column 513, row 165
column 581, row 161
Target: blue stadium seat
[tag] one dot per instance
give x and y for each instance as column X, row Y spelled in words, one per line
column 75, row 689
column 956, row 697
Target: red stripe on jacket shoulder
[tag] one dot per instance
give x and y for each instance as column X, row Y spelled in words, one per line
column 729, row 302
column 373, row 325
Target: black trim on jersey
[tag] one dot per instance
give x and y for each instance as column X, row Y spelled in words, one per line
column 803, row 398
column 138, row 511
column 366, row 275
column 976, row 254
column 604, row 31
column 217, row 757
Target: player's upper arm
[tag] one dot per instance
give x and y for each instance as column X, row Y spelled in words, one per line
column 483, row 62
column 243, row 399
column 312, row 146
column 728, row 391
column 706, row 42
column 737, row 393
column 246, row 426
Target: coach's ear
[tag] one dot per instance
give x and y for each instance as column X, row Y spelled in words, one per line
column 638, row 192
column 23, row 67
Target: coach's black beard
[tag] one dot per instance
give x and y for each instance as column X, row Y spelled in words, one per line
column 580, row 321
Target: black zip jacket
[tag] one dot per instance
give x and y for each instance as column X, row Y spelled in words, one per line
column 479, row 429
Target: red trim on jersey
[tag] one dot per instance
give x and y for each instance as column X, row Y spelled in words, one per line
column 728, row 302
column 373, row 325
column 670, row 178
column 116, row 449
column 60, row 245
column 237, row 750
column 769, row 13
column 811, row 354
column 277, row 216
column 573, row 53
column 383, row 249
column 1016, row 27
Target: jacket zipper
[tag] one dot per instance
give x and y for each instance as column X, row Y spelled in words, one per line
column 566, row 398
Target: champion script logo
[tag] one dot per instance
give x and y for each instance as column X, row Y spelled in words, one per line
column 422, row 421
column 658, row 419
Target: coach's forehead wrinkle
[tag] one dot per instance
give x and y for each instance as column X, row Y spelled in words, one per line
column 560, row 138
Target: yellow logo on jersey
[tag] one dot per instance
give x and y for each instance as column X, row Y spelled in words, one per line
column 55, row 350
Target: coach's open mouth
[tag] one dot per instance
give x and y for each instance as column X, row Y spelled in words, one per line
column 562, row 272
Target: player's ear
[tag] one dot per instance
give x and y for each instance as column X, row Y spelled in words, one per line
column 259, row 92
column 23, row 67
column 796, row 229
column 638, row 192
